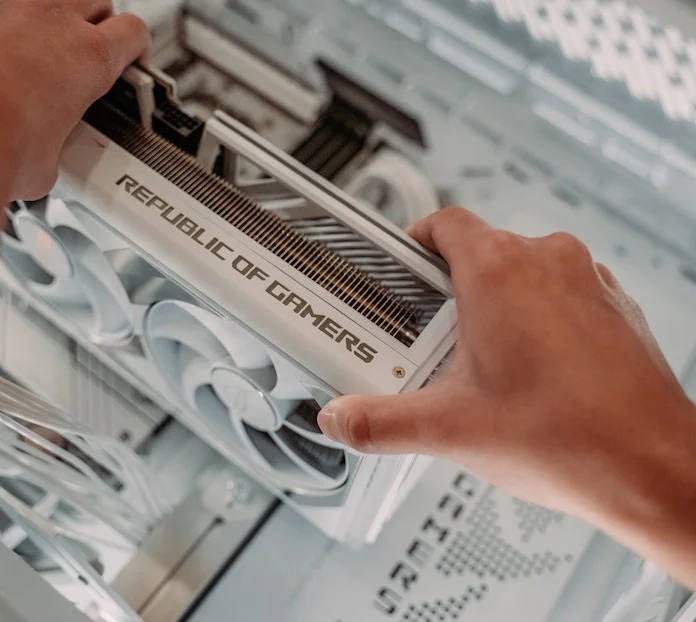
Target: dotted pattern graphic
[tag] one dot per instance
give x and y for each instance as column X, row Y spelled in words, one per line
column 611, row 42
column 483, row 552
column 619, row 42
column 533, row 520
column 445, row 610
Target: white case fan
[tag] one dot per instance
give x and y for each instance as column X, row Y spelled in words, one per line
column 44, row 449
column 395, row 188
column 55, row 257
column 72, row 504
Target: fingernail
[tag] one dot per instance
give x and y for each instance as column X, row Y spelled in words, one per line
column 328, row 421
column 410, row 230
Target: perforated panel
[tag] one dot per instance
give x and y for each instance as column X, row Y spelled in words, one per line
column 458, row 550
column 482, row 551
column 450, row 609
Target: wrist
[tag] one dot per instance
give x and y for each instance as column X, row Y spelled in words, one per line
column 653, row 510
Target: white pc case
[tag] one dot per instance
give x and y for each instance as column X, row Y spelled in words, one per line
column 186, row 265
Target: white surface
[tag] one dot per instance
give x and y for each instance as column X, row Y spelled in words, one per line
column 689, row 613
column 313, row 581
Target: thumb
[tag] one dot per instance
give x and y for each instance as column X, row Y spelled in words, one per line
column 383, row 424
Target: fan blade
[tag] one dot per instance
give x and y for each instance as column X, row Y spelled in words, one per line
column 325, row 464
column 43, row 245
column 213, row 420
column 217, row 339
column 87, row 256
column 76, row 216
column 193, row 373
column 246, row 351
column 147, row 291
column 303, row 422
column 143, row 283
column 113, row 314
column 37, row 208
column 57, row 214
column 265, row 378
column 284, row 470
column 254, row 443
column 177, row 322
column 288, row 386
column 21, row 263
column 63, row 293
column 41, row 281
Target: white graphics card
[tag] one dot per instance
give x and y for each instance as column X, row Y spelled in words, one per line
column 238, row 289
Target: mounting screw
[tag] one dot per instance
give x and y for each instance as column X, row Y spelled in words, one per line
column 399, row 372
column 237, row 491
column 125, row 436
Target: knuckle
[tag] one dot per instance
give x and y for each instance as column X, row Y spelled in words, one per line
column 136, row 24
column 447, row 217
column 453, row 215
column 99, row 50
column 451, row 212
column 505, row 241
column 499, row 253
column 358, row 432
column 568, row 247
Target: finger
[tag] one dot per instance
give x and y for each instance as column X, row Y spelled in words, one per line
column 451, row 232
column 93, row 11
column 416, row 422
column 127, row 39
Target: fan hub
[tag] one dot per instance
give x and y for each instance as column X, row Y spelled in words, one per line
column 245, row 400
column 44, row 246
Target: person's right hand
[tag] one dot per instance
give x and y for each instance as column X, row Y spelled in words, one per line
column 557, row 391
column 56, row 58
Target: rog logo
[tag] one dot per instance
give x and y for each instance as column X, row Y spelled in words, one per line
column 223, row 252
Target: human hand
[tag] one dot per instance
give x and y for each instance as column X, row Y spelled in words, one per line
column 57, row 57
column 557, row 391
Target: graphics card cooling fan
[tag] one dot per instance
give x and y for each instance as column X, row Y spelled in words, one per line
column 228, row 384
column 56, row 258
column 231, row 386
column 244, row 394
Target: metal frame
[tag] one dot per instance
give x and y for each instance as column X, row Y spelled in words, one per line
column 25, row 597
column 182, row 557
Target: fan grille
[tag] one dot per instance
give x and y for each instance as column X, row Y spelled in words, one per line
column 357, row 289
